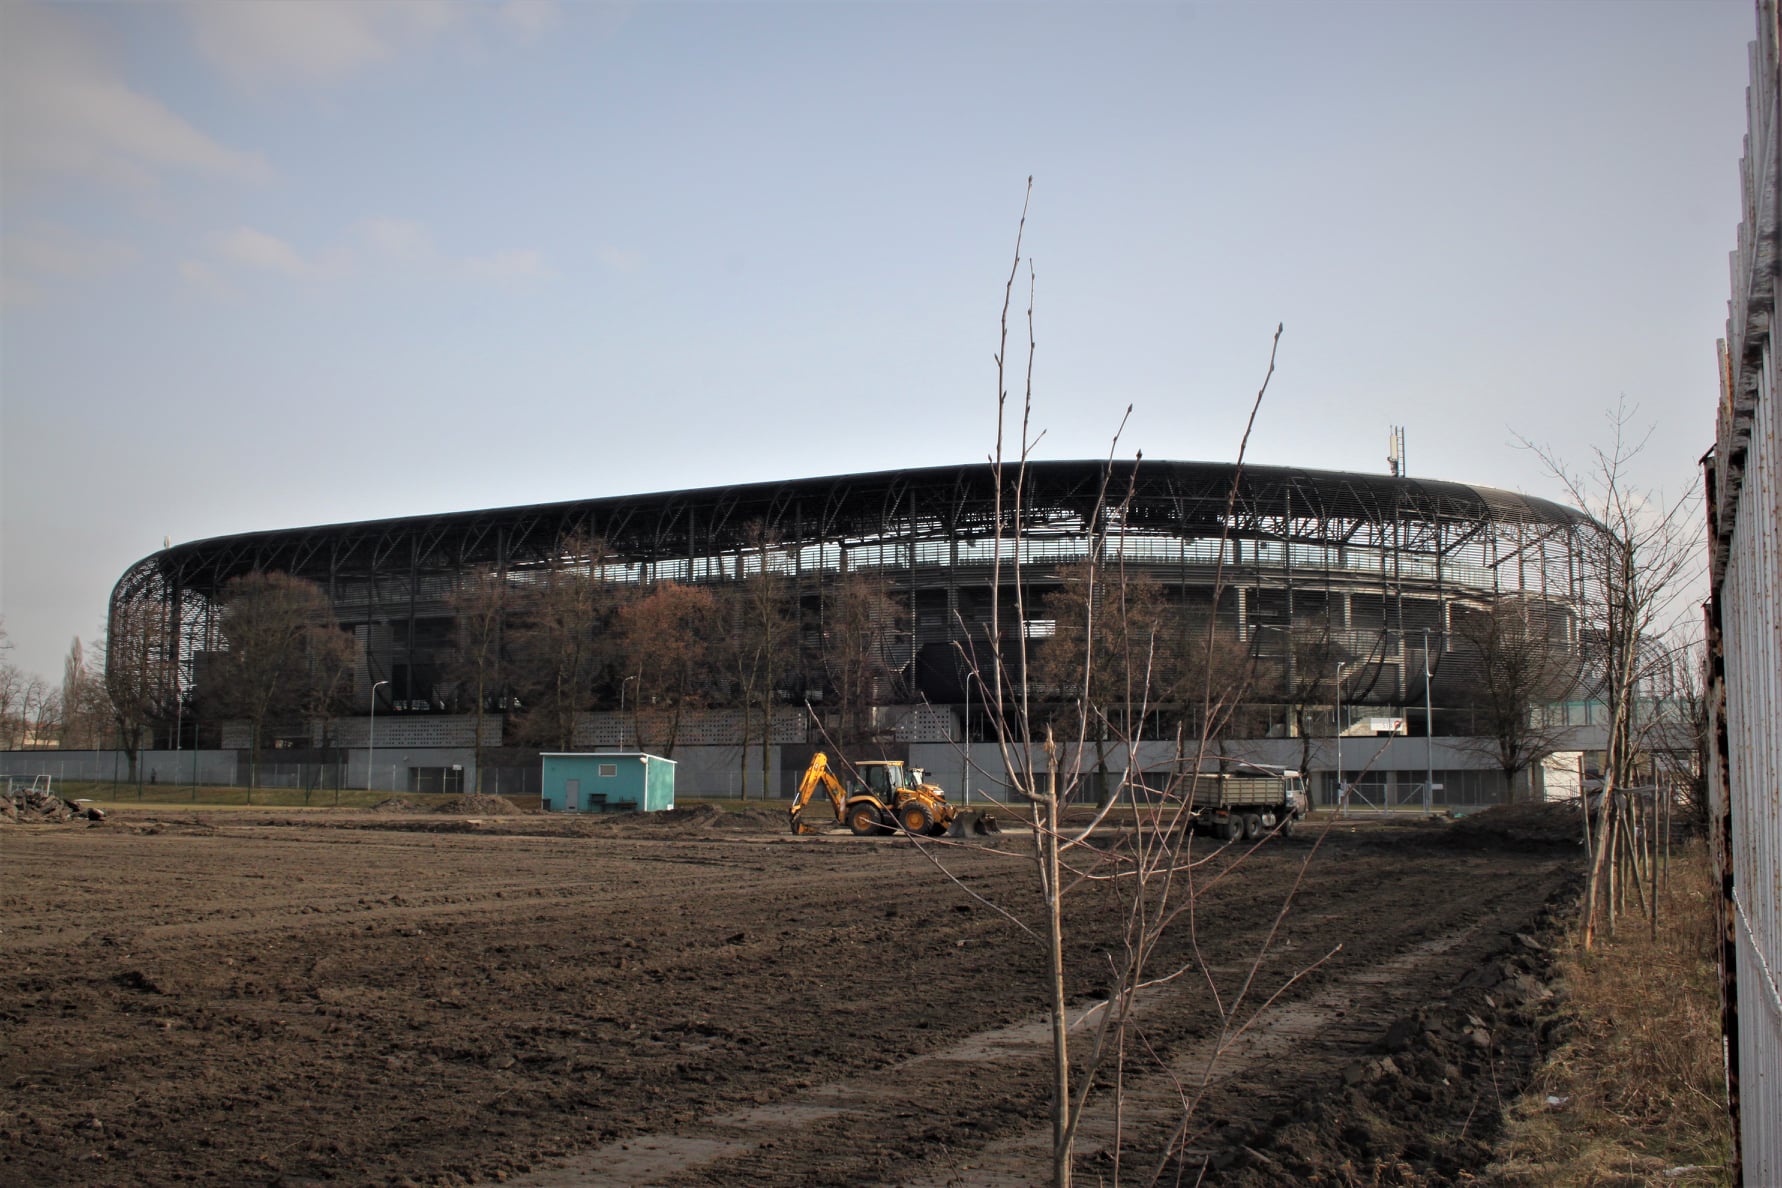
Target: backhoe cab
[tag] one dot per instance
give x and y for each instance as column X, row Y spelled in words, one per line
column 882, row 797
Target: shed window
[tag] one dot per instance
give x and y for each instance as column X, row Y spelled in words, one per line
column 609, row 770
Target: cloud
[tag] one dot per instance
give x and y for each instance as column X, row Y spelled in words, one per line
column 17, row 291
column 405, row 245
column 323, row 42
column 378, row 247
column 505, row 266
column 249, row 248
column 314, row 41
column 47, row 254
column 70, row 113
column 204, row 278
column 399, row 240
column 529, row 19
column 256, row 249
column 619, row 259
column 59, row 251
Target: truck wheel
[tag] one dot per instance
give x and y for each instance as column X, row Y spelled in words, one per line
column 1252, row 826
column 1286, row 829
column 863, row 820
column 1226, row 830
column 915, row 818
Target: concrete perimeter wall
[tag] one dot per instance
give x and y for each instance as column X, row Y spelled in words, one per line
column 1387, row 772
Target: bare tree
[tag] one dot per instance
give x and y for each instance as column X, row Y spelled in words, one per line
column 1681, row 758
column 42, row 706
column 286, row 657
column 669, row 638
column 1525, row 662
column 333, row 656
column 863, row 625
column 479, row 614
column 1306, row 680
column 1154, row 873
column 1217, row 671
column 35, row 713
column 140, row 675
column 12, row 689
column 86, row 711
column 1110, row 639
column 1636, row 556
column 763, row 626
column 562, row 642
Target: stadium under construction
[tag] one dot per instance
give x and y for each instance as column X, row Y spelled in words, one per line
column 1373, row 567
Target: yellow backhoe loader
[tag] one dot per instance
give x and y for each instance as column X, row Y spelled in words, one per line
column 884, row 797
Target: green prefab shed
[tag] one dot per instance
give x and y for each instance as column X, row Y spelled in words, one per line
column 606, row 782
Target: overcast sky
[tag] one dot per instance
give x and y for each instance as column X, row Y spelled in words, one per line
column 277, row 264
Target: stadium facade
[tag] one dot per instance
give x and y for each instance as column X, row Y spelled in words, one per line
column 1376, row 565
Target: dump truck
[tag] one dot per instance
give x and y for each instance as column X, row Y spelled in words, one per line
column 1246, row 803
column 885, row 796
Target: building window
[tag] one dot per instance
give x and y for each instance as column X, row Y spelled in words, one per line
column 608, row 770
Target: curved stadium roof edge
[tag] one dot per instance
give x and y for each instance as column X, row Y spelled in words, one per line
column 1325, row 491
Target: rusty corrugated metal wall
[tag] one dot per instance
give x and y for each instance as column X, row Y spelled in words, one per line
column 1744, row 504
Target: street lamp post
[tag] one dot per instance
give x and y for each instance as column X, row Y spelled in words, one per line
column 371, row 736
column 638, row 677
column 1428, row 734
column 1342, row 800
column 966, row 778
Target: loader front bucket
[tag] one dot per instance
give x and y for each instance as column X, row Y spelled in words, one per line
column 973, row 825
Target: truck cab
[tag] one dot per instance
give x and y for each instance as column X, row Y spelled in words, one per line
column 1297, row 797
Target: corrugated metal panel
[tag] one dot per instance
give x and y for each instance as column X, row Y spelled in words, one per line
column 1744, row 477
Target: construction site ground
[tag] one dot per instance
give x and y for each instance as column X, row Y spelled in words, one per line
column 698, row 998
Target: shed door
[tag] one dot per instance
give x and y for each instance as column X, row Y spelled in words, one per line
column 572, row 795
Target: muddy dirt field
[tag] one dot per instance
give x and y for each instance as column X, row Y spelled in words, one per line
column 697, row 999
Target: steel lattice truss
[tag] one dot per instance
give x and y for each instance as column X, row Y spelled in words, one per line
column 1296, row 542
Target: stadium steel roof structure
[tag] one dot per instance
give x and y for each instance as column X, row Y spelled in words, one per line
column 1409, row 540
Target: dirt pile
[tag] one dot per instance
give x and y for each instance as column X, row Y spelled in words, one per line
column 476, row 804
column 395, row 804
column 710, row 816
column 1425, row 1105
column 1522, row 825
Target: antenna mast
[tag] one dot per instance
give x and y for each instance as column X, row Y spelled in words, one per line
column 1395, row 451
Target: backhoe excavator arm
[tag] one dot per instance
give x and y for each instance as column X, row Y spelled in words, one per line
column 817, row 776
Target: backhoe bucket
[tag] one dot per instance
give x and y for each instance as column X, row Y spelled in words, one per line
column 973, row 825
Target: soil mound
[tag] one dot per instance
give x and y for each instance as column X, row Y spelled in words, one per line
column 757, row 820
column 393, row 804
column 707, row 816
column 1394, row 1115
column 712, row 817
column 480, row 805
column 1522, row 825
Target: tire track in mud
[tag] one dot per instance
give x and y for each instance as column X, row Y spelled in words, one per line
column 1298, row 1044
column 882, row 1129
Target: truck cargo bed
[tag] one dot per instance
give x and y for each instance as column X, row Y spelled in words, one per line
column 1213, row 791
